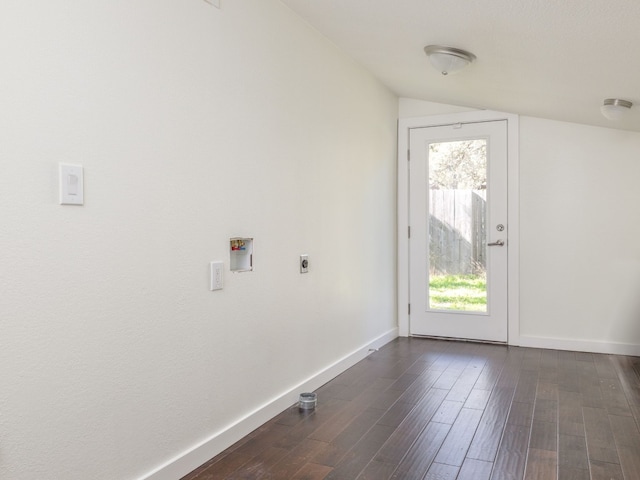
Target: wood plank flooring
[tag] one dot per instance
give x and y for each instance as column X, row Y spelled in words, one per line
column 443, row 410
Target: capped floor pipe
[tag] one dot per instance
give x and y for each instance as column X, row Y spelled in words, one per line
column 307, row 402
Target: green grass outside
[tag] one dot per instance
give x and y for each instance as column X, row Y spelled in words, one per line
column 458, row 292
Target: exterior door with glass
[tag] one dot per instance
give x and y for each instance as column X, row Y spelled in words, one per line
column 458, row 231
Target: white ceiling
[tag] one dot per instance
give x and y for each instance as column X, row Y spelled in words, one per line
column 556, row 59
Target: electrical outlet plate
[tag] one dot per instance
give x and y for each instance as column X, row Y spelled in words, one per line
column 217, row 269
column 304, row 263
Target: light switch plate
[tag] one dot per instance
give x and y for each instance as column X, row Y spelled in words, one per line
column 71, row 185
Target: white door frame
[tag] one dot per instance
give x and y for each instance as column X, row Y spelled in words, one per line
column 513, row 256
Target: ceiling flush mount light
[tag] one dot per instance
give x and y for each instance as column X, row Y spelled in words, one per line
column 615, row 109
column 448, row 59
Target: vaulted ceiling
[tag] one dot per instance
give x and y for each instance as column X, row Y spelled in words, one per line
column 544, row 58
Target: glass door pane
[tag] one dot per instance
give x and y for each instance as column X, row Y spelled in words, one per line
column 457, row 244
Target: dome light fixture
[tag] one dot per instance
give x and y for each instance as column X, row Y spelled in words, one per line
column 614, row 108
column 448, row 59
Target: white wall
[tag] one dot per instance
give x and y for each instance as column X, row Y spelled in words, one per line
column 580, row 261
column 193, row 125
column 410, row 107
column 579, row 230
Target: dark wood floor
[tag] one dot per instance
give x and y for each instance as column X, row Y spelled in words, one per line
column 437, row 410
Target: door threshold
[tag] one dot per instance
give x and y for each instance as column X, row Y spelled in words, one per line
column 454, row 339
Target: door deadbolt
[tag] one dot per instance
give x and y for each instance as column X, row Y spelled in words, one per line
column 500, row 227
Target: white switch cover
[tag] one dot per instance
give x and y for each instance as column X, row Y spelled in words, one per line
column 71, row 185
column 217, row 269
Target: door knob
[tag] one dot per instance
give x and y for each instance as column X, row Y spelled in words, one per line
column 497, row 243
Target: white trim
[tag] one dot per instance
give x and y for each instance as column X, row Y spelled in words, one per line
column 404, row 125
column 199, row 454
column 579, row 345
column 513, row 255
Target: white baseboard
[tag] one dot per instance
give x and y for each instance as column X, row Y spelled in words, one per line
column 219, row 441
column 577, row 345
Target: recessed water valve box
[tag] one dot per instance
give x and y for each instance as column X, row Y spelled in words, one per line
column 241, row 254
